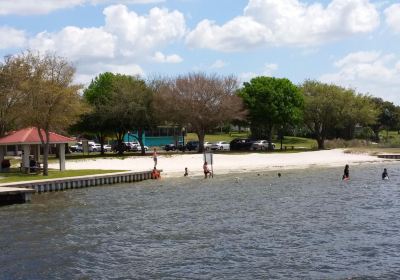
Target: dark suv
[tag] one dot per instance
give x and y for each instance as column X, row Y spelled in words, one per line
column 241, row 144
column 192, row 145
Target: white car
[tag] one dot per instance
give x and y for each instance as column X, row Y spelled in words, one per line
column 221, row 145
column 94, row 147
column 261, row 145
column 207, row 146
column 107, row 148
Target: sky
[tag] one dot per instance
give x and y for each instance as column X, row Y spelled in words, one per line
column 352, row 43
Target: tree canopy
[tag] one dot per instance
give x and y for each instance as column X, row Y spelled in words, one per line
column 271, row 103
column 198, row 101
column 329, row 108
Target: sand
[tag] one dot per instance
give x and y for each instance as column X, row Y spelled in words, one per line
column 174, row 165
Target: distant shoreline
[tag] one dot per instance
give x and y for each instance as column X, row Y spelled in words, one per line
column 174, row 165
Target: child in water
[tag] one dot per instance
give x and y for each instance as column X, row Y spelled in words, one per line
column 186, row 172
column 385, row 175
column 346, row 173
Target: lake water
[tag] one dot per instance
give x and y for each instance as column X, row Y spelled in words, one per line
column 306, row 224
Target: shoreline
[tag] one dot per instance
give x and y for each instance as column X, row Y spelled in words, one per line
column 173, row 165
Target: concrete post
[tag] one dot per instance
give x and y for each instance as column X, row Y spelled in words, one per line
column 2, row 154
column 61, row 151
column 25, row 158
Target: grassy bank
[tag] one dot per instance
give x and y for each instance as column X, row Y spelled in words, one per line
column 14, row 175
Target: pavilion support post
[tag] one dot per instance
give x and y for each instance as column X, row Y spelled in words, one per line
column 2, row 154
column 25, row 157
column 37, row 153
column 61, row 152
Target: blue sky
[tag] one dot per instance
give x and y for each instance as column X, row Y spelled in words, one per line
column 353, row 43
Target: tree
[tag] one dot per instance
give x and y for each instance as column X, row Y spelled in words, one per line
column 13, row 73
column 53, row 102
column 272, row 103
column 329, row 108
column 97, row 94
column 388, row 116
column 198, row 101
column 128, row 107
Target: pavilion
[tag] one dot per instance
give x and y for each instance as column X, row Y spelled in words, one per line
column 29, row 139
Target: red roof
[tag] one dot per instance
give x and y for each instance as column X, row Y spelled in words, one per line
column 30, row 135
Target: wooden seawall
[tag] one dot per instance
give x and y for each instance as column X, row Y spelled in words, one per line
column 390, row 156
column 50, row 185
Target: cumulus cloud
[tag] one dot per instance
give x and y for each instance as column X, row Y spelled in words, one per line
column 125, row 37
column 286, row 22
column 218, row 64
column 76, row 43
column 392, row 15
column 29, row 7
column 11, row 37
column 268, row 70
column 162, row 58
column 369, row 72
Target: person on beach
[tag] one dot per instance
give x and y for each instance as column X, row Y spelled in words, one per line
column 186, row 172
column 155, row 174
column 346, row 173
column 385, row 175
column 206, row 170
column 155, row 157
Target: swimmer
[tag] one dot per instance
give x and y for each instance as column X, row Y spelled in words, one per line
column 385, row 175
column 186, row 172
column 346, row 173
column 279, row 175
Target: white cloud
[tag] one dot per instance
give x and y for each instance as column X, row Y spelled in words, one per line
column 369, row 72
column 218, row 64
column 125, row 37
column 26, row 7
column 286, row 22
column 141, row 34
column 29, row 7
column 392, row 14
column 162, row 58
column 268, row 70
column 11, row 37
column 76, row 43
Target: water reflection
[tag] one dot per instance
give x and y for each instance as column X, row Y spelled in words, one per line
column 306, row 224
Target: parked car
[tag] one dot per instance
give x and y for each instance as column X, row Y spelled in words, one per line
column 207, row 146
column 170, row 147
column 192, row 145
column 221, row 145
column 76, row 147
column 107, row 148
column 261, row 145
column 241, row 144
column 94, row 147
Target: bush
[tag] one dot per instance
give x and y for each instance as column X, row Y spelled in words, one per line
column 340, row 143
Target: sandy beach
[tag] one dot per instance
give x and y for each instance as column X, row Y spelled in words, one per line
column 174, row 165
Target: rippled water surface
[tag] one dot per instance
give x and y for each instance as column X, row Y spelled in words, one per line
column 306, row 224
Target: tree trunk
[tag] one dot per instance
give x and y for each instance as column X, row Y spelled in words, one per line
column 270, row 147
column 101, row 139
column 201, row 135
column 140, row 139
column 321, row 143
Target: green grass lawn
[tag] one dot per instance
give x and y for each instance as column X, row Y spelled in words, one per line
column 14, row 175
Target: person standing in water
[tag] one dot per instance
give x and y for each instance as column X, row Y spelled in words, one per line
column 346, row 173
column 155, row 157
column 186, row 172
column 385, row 175
column 206, row 170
